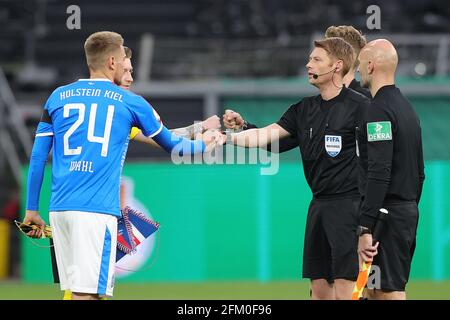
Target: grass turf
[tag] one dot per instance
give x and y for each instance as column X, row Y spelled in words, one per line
column 208, row 291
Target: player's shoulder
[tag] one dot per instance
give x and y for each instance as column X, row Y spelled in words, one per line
column 132, row 99
column 137, row 104
column 63, row 88
column 58, row 92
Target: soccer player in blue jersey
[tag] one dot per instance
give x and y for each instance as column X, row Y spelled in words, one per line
column 189, row 132
column 88, row 124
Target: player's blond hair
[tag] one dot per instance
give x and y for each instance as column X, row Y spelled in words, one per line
column 339, row 49
column 354, row 37
column 128, row 52
column 99, row 46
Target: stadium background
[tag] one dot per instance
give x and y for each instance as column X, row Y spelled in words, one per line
column 226, row 230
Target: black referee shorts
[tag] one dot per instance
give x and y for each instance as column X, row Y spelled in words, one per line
column 397, row 244
column 330, row 250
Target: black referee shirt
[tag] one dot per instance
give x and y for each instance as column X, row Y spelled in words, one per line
column 326, row 133
column 284, row 144
column 355, row 85
column 395, row 169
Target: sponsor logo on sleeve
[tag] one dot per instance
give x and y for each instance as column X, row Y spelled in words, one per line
column 379, row 131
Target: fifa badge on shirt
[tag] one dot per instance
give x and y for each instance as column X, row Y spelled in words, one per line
column 333, row 145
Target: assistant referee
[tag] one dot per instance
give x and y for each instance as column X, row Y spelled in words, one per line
column 395, row 172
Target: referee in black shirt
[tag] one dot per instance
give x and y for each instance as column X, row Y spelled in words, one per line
column 325, row 127
column 395, row 172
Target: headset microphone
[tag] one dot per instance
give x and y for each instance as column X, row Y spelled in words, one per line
column 315, row 75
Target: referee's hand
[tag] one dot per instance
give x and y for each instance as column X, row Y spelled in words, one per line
column 366, row 249
column 232, row 120
column 33, row 217
column 212, row 123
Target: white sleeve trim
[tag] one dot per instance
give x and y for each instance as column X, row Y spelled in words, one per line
column 44, row 134
column 157, row 131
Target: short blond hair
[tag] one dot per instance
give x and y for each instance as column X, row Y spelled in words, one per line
column 354, row 37
column 339, row 49
column 99, row 46
column 128, row 52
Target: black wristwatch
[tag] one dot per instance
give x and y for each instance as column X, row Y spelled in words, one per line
column 362, row 230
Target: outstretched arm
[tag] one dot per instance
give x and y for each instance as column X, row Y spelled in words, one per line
column 255, row 138
column 234, row 121
column 173, row 143
column 189, row 132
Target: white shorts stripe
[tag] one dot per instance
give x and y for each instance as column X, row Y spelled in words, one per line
column 104, row 266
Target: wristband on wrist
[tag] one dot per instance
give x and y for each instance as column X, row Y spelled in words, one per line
column 363, row 230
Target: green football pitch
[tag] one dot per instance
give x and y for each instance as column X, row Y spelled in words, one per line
column 209, row 291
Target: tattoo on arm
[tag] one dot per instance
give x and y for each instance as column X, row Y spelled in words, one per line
column 189, row 131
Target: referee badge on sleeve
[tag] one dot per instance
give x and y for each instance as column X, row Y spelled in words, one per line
column 333, row 145
column 379, row 131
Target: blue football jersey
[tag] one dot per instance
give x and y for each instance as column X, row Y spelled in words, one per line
column 90, row 121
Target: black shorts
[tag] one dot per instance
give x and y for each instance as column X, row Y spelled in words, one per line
column 397, row 244
column 330, row 250
column 54, row 265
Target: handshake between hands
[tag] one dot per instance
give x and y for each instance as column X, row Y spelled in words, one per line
column 212, row 134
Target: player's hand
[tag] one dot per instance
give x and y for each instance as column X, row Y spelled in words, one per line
column 212, row 123
column 33, row 217
column 366, row 249
column 232, row 120
column 213, row 138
